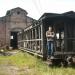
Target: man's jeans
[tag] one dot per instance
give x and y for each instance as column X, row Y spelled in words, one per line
column 50, row 47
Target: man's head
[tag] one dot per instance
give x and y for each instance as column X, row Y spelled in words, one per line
column 50, row 28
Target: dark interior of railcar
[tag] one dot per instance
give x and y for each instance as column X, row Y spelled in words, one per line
column 64, row 28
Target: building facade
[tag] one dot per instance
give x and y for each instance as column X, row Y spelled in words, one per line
column 13, row 22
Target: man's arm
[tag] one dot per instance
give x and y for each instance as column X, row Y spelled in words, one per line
column 50, row 35
column 53, row 34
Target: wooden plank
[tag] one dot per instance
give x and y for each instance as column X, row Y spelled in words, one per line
column 30, row 40
column 62, row 53
column 31, row 27
column 44, row 41
column 31, row 52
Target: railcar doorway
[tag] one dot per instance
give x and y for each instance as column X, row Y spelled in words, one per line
column 14, row 40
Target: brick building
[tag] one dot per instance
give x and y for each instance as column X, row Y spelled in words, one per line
column 14, row 21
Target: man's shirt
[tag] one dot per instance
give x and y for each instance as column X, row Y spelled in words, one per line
column 49, row 35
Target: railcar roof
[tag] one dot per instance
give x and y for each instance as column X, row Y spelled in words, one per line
column 70, row 14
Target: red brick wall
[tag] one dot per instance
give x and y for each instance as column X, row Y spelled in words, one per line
column 2, row 34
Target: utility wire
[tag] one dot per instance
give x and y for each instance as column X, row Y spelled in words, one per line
column 40, row 6
column 36, row 5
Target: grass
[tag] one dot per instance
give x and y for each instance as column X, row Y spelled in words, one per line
column 30, row 65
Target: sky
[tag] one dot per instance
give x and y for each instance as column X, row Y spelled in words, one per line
column 36, row 8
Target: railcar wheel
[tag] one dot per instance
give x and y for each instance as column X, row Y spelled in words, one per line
column 69, row 61
column 64, row 63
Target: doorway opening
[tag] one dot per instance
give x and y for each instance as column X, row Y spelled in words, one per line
column 14, row 40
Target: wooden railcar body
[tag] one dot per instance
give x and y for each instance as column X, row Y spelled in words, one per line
column 34, row 39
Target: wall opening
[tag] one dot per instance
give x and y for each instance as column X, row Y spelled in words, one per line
column 14, row 40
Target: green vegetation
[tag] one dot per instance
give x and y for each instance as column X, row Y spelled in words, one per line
column 29, row 65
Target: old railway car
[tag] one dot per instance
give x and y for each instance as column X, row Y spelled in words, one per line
column 34, row 40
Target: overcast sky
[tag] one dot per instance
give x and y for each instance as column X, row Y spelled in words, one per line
column 36, row 8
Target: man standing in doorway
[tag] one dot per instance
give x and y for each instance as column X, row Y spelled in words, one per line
column 50, row 39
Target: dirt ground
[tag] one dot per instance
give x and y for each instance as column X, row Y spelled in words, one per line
column 12, row 70
column 8, row 69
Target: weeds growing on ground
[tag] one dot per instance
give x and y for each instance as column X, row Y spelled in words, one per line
column 30, row 65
